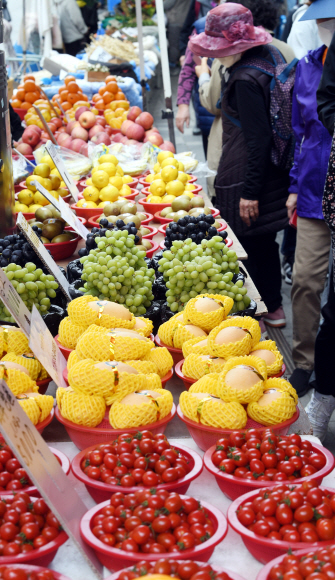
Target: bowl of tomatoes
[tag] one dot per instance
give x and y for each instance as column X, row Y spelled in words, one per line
column 111, row 467
column 179, row 569
column 274, row 520
column 146, row 532
column 252, row 460
column 316, row 564
column 29, row 572
column 29, row 531
column 14, row 478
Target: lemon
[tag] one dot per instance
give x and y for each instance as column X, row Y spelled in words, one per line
column 100, row 179
column 91, row 193
column 86, row 204
column 109, row 193
column 116, row 181
column 155, row 199
column 188, row 176
column 157, row 176
column 149, row 178
column 33, row 178
column 125, row 190
column 95, row 169
column 62, row 184
column 62, row 191
column 183, row 177
column 47, row 184
column 168, row 198
column 54, row 193
column 181, row 166
column 119, row 171
column 169, row 161
column 47, row 159
column 108, row 158
column 169, row 173
column 157, row 168
column 157, row 187
column 89, row 181
column 26, row 197
column 164, row 155
column 34, row 207
column 55, row 172
column 103, row 203
column 149, row 197
column 110, row 168
column 189, row 187
column 127, row 179
column 40, row 199
column 175, row 187
column 42, row 169
column 189, row 194
column 21, row 207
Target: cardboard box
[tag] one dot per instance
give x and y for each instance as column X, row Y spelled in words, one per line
column 96, row 76
column 10, row 85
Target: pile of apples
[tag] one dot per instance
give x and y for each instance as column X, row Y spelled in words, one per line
column 138, row 127
column 33, row 136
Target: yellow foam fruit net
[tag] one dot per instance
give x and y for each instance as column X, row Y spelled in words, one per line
column 181, row 335
column 162, row 359
column 279, row 410
column 69, row 332
column 243, row 396
column 123, row 416
column 238, row 348
column 208, row 320
column 13, row 341
column 207, row 384
column 27, row 361
column 45, row 403
column 126, row 388
column 147, row 329
column 153, row 382
column 195, row 366
column 31, row 409
column 43, row 374
column 276, row 366
column 212, row 411
column 37, row 407
column 60, row 393
column 79, row 311
column 143, row 366
column 18, row 381
column 167, row 329
column 84, row 410
column 190, row 346
column 104, row 347
column 72, row 360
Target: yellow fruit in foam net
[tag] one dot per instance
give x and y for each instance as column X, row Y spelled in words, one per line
column 207, row 384
column 235, row 336
column 153, row 381
column 17, row 380
column 43, row 374
column 208, row 410
column 31, row 409
column 208, row 310
column 88, row 310
column 27, row 361
column 198, row 345
column 242, row 379
column 143, row 366
column 142, row 408
column 37, row 407
column 84, row 410
column 268, row 351
column 167, row 329
column 196, row 366
column 162, row 359
column 186, row 332
column 72, row 360
column 12, row 339
column 143, row 326
column 69, row 332
column 277, row 403
column 113, row 346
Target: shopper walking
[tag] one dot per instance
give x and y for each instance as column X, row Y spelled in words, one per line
column 251, row 191
column 72, row 25
column 304, row 34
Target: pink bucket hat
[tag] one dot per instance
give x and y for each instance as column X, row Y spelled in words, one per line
column 229, row 30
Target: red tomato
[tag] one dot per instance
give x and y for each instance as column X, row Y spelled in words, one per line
column 325, row 529
column 284, row 514
column 140, row 534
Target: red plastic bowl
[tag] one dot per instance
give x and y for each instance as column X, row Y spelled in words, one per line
column 92, row 222
column 164, row 379
column 154, row 248
column 265, row 549
column 232, row 575
column 43, row 385
column 87, row 212
column 40, row 557
column 64, row 350
column 41, row 426
column 82, row 437
column 115, row 559
column 63, row 250
column 27, row 568
column 101, row 491
column 233, row 487
column 153, row 207
column 27, row 216
column 176, row 353
column 21, row 113
column 164, row 220
column 205, row 436
column 132, row 195
column 264, row 574
column 153, row 232
column 223, row 226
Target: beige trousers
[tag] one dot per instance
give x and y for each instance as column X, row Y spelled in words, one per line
column 309, row 276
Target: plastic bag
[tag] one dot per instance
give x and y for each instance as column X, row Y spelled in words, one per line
column 129, row 157
column 20, row 171
column 77, row 165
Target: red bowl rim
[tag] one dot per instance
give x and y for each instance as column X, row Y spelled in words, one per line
column 153, row 248
column 159, row 342
column 232, row 575
column 218, row 431
column 74, row 207
column 117, row 432
column 100, row 485
column 63, row 244
column 63, row 348
column 264, row 572
column 46, row 421
column 92, row 223
column 32, row 568
column 131, row 196
column 91, row 540
column 153, row 232
column 180, row 374
column 330, row 462
column 265, row 542
column 43, row 382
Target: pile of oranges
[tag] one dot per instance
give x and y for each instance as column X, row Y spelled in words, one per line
column 69, row 94
column 107, row 94
column 27, row 94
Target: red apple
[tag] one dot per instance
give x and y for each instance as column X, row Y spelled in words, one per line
column 62, row 137
column 79, row 133
column 52, row 127
column 109, row 131
column 31, row 136
column 101, row 138
column 66, row 143
column 77, row 144
column 100, row 121
column 62, row 130
column 79, row 112
column 154, row 129
column 155, row 139
column 71, row 125
column 135, row 132
column 45, row 135
column 167, row 146
column 117, row 138
column 145, row 120
column 125, row 126
column 133, row 113
column 84, row 150
column 24, row 148
column 87, row 119
column 58, row 122
column 94, row 131
column 124, row 140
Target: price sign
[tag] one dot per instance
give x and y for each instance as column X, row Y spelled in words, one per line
column 14, row 303
column 46, row 349
column 51, row 199
column 45, row 471
column 72, row 219
column 67, row 178
column 43, row 254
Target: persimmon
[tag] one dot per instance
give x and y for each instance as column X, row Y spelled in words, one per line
column 109, row 79
column 107, row 98
column 20, row 94
column 66, row 106
column 16, row 104
column 29, row 86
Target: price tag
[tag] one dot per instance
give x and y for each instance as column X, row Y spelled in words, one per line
column 14, row 303
column 45, row 472
column 72, row 219
column 43, row 254
column 67, row 178
column 46, row 349
column 51, row 199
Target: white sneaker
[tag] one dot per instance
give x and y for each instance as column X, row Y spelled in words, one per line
column 319, row 411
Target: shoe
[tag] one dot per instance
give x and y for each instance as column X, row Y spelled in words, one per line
column 286, row 271
column 263, row 329
column 319, row 411
column 196, row 131
column 299, row 380
column 276, row 318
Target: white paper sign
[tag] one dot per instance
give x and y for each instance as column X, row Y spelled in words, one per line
column 51, row 199
column 72, row 220
column 14, row 303
column 67, row 178
column 43, row 254
column 101, row 55
column 45, row 472
column 46, row 349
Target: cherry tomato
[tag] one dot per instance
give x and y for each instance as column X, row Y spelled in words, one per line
column 284, row 514
column 140, row 534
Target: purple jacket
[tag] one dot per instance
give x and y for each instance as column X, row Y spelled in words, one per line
column 313, row 142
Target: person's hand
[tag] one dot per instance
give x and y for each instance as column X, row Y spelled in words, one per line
column 291, row 204
column 182, row 117
column 202, row 68
column 182, row 60
column 248, row 210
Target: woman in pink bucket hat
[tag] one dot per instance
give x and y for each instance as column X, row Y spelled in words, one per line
column 251, row 191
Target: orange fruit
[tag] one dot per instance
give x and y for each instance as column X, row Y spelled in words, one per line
column 109, row 79
column 28, row 77
column 16, row 104
column 102, row 90
column 31, row 97
column 63, row 96
column 69, row 79
column 66, row 106
column 72, row 87
column 120, row 96
column 20, row 94
column 83, row 97
column 73, row 98
column 62, row 89
column 107, row 98
column 112, row 87
column 29, row 86
column 96, row 97
column 100, row 105
column 25, row 105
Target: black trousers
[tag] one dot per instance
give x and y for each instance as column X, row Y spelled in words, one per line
column 325, row 345
column 263, row 265
column 73, row 47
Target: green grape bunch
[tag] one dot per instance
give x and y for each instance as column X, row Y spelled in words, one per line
column 190, row 269
column 116, row 270
column 33, row 286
